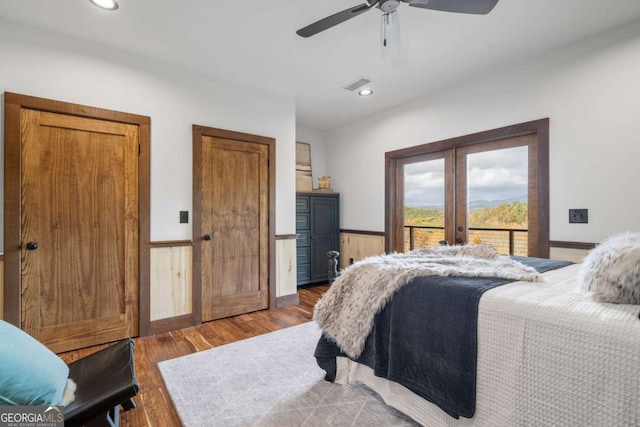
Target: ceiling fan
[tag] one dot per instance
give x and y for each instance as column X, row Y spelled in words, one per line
column 390, row 23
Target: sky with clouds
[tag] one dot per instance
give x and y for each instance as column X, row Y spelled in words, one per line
column 492, row 176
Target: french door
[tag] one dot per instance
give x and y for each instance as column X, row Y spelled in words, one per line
column 427, row 190
column 471, row 190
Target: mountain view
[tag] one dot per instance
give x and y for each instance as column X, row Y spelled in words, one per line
column 506, row 215
column 496, row 193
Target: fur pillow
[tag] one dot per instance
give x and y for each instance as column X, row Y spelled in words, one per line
column 69, row 393
column 611, row 271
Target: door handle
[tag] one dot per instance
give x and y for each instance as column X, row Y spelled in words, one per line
column 206, row 237
column 32, row 246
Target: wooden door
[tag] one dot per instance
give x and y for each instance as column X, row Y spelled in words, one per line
column 505, row 161
column 233, row 225
column 438, row 169
column 79, row 206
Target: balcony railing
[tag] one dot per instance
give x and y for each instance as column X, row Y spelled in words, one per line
column 512, row 241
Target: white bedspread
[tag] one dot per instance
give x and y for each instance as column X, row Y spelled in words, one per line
column 547, row 356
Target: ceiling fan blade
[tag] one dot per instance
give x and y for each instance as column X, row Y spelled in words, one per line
column 333, row 20
column 476, row 7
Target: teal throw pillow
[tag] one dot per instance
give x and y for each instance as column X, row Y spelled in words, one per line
column 30, row 373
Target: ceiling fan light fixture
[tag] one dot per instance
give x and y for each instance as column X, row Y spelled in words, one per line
column 388, row 5
column 105, row 4
column 365, row 92
column 390, row 34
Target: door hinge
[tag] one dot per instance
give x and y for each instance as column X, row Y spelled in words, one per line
column 139, row 149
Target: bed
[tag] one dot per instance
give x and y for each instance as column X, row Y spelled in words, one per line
column 543, row 353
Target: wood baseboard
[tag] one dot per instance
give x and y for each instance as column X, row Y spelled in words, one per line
column 285, row 300
column 170, row 324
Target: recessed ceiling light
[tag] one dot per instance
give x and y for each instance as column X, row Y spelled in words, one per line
column 365, row 92
column 105, row 4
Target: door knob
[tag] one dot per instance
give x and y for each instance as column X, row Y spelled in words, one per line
column 206, row 237
column 459, row 240
column 32, row 246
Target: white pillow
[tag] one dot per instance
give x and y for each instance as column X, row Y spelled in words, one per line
column 611, row 271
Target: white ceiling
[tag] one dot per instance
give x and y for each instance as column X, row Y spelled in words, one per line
column 254, row 42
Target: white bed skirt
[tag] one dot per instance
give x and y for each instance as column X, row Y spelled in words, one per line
column 547, row 356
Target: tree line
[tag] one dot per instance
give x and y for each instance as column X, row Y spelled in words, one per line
column 504, row 215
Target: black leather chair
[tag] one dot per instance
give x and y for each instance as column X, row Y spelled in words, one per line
column 105, row 381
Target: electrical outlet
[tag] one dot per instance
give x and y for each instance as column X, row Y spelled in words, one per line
column 184, row 217
column 579, row 216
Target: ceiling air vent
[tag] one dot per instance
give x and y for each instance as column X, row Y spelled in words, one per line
column 357, row 84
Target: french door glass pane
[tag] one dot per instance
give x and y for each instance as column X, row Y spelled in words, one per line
column 497, row 210
column 424, row 204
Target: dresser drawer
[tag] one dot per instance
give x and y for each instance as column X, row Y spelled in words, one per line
column 302, row 222
column 303, row 238
column 302, row 204
column 304, row 272
column 303, row 255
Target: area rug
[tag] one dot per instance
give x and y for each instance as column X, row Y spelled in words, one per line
column 269, row 380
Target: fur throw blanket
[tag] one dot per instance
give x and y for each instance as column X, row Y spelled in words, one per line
column 611, row 271
column 346, row 312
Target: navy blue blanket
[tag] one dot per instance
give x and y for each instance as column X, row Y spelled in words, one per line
column 426, row 338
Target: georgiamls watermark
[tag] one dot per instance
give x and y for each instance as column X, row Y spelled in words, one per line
column 31, row 416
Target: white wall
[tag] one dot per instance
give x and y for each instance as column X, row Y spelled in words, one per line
column 591, row 93
column 317, row 140
column 43, row 64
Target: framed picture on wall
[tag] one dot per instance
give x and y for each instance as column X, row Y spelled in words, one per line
column 304, row 182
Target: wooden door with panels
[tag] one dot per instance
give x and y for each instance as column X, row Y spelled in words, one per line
column 78, row 253
column 233, row 223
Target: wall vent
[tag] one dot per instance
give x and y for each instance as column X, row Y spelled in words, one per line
column 357, row 84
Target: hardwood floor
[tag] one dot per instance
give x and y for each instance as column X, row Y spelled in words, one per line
column 154, row 407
